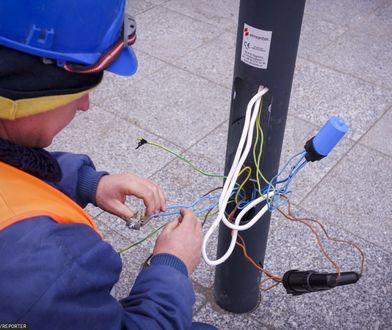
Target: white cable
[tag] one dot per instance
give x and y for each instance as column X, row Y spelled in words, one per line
column 247, row 135
column 239, row 159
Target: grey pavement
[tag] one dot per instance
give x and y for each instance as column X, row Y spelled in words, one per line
column 180, row 98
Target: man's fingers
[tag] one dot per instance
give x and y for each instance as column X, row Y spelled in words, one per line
column 162, row 199
column 121, row 210
column 151, row 194
column 188, row 219
column 170, row 226
column 144, row 192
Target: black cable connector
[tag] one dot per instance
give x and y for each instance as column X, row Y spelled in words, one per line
column 299, row 282
column 311, row 154
column 141, row 142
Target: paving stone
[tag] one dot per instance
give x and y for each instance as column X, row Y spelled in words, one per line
column 356, row 194
column 158, row 2
column 182, row 184
column 175, row 105
column 158, row 26
column 92, row 210
column 377, row 24
column 213, row 146
column 366, row 304
column 378, row 135
column 224, row 320
column 319, row 93
column 134, row 8
column 221, row 13
column 342, row 12
column 200, row 301
column 358, row 55
column 214, row 60
column 110, row 142
column 316, row 34
column 112, row 85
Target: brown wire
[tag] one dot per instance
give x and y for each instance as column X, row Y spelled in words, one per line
column 290, row 216
column 212, row 190
column 242, row 245
column 268, row 288
column 206, row 217
column 209, row 211
column 258, row 267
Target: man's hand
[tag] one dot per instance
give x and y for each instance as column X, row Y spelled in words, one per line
column 113, row 189
column 182, row 238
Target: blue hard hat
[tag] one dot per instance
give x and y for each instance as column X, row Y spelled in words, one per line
column 76, row 34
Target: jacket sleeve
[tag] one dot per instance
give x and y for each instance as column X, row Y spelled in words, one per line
column 79, row 177
column 161, row 298
column 69, row 277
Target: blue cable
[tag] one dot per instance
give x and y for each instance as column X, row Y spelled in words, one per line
column 190, row 206
column 275, row 201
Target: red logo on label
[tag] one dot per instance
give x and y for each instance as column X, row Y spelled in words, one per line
column 246, row 32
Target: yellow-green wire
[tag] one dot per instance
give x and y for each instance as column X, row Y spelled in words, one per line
column 202, row 216
column 246, row 168
column 259, row 131
column 143, row 239
column 243, row 182
column 257, row 159
column 200, row 170
column 185, row 160
column 154, row 232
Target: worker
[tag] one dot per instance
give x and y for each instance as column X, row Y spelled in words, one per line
column 56, row 270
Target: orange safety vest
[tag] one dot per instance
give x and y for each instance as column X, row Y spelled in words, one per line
column 23, row 196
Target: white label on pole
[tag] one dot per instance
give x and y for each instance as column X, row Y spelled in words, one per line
column 255, row 46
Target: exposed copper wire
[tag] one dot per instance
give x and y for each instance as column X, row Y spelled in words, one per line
column 268, row 288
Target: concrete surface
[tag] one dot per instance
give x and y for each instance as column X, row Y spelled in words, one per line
column 180, row 97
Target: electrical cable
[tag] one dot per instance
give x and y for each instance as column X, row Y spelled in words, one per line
column 256, row 160
column 274, row 195
column 143, row 239
column 290, row 216
column 300, row 287
column 261, row 269
column 143, row 141
column 239, row 158
column 281, row 190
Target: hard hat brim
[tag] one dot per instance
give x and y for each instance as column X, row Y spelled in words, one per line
column 125, row 64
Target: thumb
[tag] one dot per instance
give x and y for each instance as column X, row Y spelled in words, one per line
column 171, row 226
column 121, row 210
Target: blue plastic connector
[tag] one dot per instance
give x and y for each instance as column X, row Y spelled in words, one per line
column 326, row 139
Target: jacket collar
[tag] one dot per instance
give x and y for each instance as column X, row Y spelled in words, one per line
column 35, row 161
